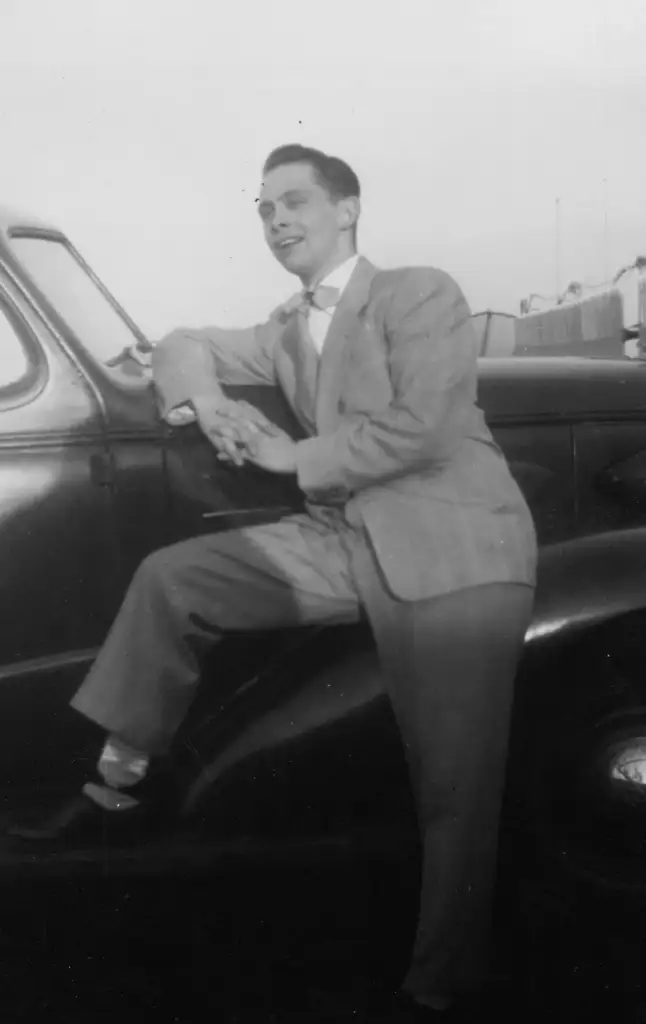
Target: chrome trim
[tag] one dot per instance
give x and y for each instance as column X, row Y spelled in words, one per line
column 47, row 663
column 55, row 439
column 267, row 509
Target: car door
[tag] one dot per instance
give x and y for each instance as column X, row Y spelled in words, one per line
column 56, row 527
column 57, row 541
column 98, row 335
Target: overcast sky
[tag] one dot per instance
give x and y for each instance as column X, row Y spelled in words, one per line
column 139, row 127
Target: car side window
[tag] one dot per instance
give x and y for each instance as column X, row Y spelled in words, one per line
column 82, row 302
column 14, row 362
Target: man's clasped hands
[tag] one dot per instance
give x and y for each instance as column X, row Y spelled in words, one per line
column 241, row 433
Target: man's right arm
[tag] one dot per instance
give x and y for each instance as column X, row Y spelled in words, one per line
column 190, row 364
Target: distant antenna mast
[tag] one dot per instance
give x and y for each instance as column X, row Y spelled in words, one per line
column 605, row 229
column 557, row 247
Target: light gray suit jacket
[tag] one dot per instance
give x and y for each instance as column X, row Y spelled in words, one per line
column 396, row 435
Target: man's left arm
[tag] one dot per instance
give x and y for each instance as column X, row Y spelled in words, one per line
column 432, row 366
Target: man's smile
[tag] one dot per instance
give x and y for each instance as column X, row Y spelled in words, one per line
column 286, row 244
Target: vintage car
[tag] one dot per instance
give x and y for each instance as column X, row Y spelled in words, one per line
column 295, row 742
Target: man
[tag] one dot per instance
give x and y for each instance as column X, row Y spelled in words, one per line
column 412, row 518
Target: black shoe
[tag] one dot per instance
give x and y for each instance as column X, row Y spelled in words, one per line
column 81, row 821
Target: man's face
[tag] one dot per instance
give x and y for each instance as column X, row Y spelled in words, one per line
column 305, row 228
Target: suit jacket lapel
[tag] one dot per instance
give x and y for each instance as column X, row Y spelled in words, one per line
column 345, row 323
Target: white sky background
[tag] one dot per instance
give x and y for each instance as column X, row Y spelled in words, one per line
column 139, row 127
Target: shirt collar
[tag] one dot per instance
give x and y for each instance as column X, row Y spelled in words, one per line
column 339, row 277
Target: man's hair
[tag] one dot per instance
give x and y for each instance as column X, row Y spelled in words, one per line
column 334, row 175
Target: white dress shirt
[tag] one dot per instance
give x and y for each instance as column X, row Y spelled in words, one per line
column 318, row 320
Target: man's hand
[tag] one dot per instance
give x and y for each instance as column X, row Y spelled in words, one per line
column 276, row 454
column 228, row 425
column 232, row 426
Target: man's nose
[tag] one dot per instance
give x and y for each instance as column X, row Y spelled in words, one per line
column 280, row 220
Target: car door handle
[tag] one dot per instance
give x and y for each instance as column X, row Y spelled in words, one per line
column 101, row 469
column 625, row 479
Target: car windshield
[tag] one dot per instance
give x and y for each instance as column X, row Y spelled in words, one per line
column 76, row 295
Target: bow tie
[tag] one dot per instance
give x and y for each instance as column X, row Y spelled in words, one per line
column 321, row 297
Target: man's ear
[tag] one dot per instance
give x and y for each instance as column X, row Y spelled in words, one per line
column 349, row 210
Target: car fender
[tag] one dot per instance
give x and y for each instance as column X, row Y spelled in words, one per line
column 581, row 584
column 585, row 582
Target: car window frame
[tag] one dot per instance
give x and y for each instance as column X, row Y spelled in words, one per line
column 33, row 380
column 111, row 374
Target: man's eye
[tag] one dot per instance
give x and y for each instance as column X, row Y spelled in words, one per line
column 291, row 204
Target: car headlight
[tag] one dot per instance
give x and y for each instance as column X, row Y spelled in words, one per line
column 628, row 763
